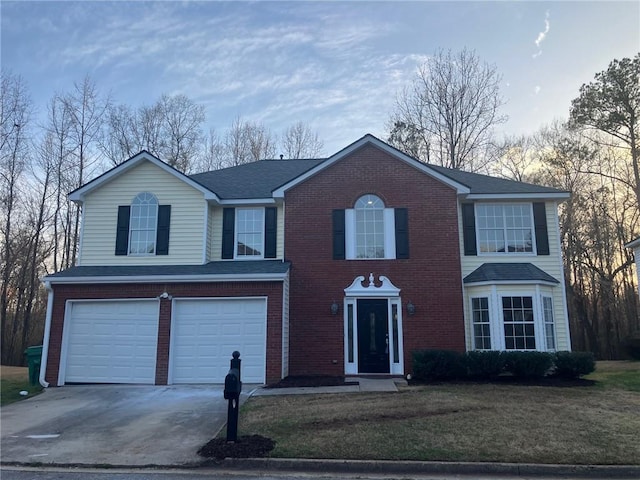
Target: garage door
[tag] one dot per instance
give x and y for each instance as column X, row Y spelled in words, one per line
column 205, row 332
column 112, row 342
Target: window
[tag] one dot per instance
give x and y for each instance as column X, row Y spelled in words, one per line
column 370, row 231
column 549, row 327
column 249, row 232
column 143, row 224
column 481, row 325
column 504, row 228
column 519, row 327
column 369, row 215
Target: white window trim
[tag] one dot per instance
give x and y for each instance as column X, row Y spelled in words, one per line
column 389, row 235
column 496, row 316
column 155, row 228
column 235, row 236
column 534, row 247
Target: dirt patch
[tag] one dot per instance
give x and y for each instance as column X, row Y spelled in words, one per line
column 247, row 446
column 311, row 381
column 14, row 373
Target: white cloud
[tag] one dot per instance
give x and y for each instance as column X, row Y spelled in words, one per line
column 542, row 35
column 537, row 89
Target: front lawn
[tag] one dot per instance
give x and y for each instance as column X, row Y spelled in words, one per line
column 14, row 380
column 461, row 422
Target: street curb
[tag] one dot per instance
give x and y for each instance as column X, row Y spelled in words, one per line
column 422, row 468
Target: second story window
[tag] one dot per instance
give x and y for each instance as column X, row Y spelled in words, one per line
column 249, row 232
column 369, row 213
column 142, row 224
column 504, row 228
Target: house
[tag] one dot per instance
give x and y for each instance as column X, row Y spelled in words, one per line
column 635, row 246
column 343, row 265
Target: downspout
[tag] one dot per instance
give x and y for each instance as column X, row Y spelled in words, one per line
column 47, row 331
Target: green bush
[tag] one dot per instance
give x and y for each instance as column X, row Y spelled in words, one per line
column 429, row 365
column 485, row 364
column 528, row 365
column 632, row 345
column 573, row 364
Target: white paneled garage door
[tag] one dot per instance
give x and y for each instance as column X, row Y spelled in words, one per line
column 112, row 341
column 205, row 332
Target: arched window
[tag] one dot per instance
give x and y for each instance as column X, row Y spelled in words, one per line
column 369, row 213
column 143, row 224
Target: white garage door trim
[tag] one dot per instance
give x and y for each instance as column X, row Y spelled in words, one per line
column 214, row 369
column 141, row 351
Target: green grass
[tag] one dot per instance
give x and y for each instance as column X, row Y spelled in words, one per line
column 10, row 389
column 461, row 422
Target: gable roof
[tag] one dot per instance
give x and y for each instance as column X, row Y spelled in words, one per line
column 79, row 194
column 508, row 273
column 369, row 139
column 633, row 243
column 253, row 180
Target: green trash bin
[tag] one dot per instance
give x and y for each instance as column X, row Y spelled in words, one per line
column 34, row 355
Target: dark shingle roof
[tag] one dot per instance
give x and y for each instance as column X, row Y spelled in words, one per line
column 480, row 184
column 253, row 180
column 247, row 267
column 508, row 272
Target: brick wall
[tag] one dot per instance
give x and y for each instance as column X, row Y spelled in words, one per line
column 272, row 290
column 430, row 278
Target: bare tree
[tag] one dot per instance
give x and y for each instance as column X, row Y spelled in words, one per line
column 247, row 142
column 446, row 117
column 611, row 104
column 182, row 132
column 15, row 115
column 299, row 141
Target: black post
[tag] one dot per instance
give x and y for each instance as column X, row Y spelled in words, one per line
column 232, row 389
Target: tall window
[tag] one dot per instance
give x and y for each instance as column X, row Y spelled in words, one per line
column 549, row 327
column 481, row 325
column 369, row 213
column 250, row 232
column 143, row 223
column 519, row 327
column 504, row 228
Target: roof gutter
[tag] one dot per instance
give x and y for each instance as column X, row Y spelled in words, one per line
column 47, row 332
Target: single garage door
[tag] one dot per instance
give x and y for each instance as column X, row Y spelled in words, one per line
column 112, row 342
column 205, row 332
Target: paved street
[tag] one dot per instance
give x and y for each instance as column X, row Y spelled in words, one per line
column 11, row 473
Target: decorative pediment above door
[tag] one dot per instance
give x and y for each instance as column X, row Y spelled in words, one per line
column 359, row 289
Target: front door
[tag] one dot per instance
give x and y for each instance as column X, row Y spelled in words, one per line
column 373, row 336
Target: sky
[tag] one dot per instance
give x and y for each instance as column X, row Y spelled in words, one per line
column 337, row 66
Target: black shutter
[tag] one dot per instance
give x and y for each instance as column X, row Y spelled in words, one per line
column 540, row 223
column 338, row 235
column 122, row 230
column 469, row 229
column 402, row 232
column 270, row 231
column 228, row 232
column 162, row 234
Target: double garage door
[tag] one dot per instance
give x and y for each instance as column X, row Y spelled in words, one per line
column 116, row 341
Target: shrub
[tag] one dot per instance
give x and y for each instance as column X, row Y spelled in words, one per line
column 437, row 365
column 632, row 345
column 528, row 365
column 574, row 364
column 486, row 364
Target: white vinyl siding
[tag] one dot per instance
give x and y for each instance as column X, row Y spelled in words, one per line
column 551, row 264
column 215, row 239
column 100, row 215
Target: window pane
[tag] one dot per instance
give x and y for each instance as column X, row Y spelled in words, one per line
column 504, row 228
column 481, row 326
column 369, row 215
column 350, row 333
column 250, row 232
column 143, row 220
column 519, row 327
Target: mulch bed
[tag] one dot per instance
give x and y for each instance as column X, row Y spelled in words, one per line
column 510, row 380
column 247, row 446
column 311, row 381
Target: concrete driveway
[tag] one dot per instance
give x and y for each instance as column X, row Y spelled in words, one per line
column 113, row 424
